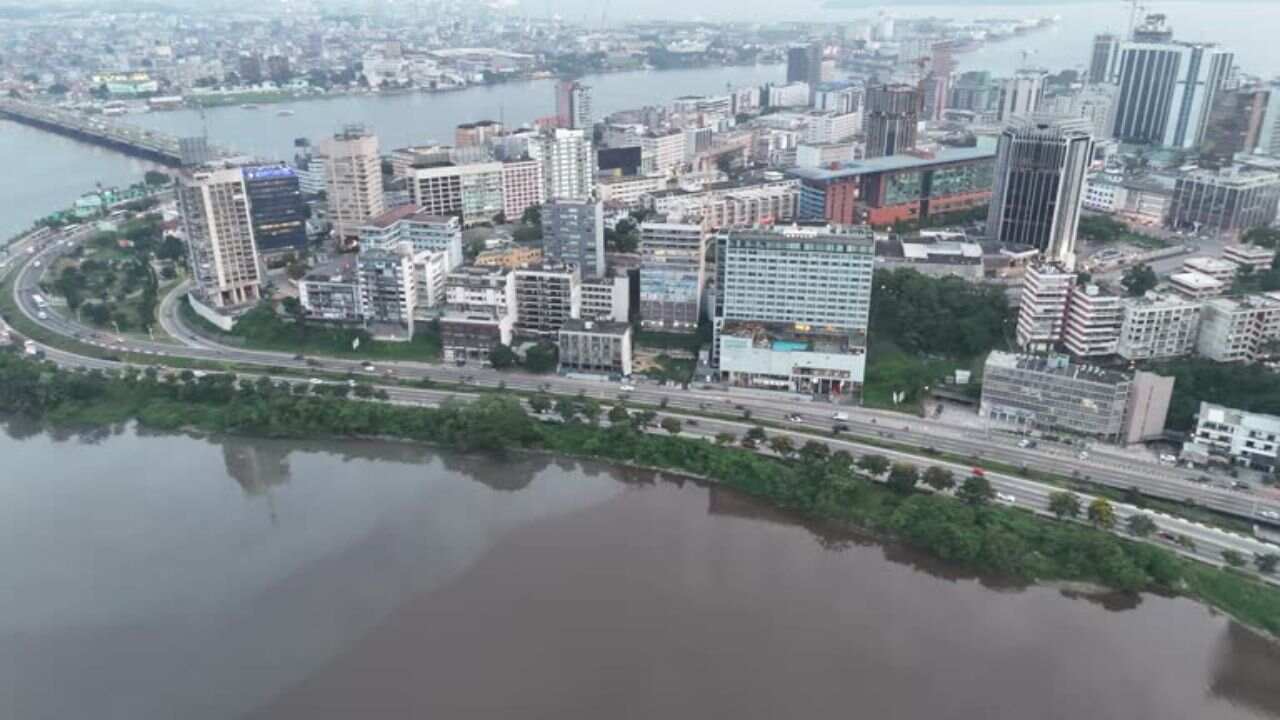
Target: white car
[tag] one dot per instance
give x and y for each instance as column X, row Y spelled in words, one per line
column 316, row 381
column 1168, row 459
column 1269, row 514
column 42, row 315
column 1006, row 498
column 1024, row 443
column 1083, row 455
column 627, row 388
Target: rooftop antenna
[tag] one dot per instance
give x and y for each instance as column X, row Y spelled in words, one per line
column 1135, row 8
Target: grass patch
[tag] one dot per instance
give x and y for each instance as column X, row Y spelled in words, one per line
column 672, row 369
column 891, row 370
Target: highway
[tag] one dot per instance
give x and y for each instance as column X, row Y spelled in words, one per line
column 802, row 421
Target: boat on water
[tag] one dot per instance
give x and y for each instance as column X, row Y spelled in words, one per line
column 284, row 113
column 248, row 106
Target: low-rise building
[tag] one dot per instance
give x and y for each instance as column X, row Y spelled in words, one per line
column 794, row 357
column 1052, row 393
column 596, row 347
column 934, row 253
column 331, row 293
column 547, row 296
column 1158, row 327
column 1238, row 329
column 480, row 312
column 606, row 299
column 1235, row 436
column 1224, row 202
column 1196, row 286
column 1093, row 322
column 1259, row 259
column 628, row 190
column 423, row 231
column 1220, row 270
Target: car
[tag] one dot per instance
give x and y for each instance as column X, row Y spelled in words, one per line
column 1269, row 514
column 1241, row 485
column 691, row 422
column 299, row 358
column 840, row 416
column 627, row 388
column 1083, row 455
column 1168, row 459
column 316, row 381
column 1006, row 498
column 42, row 315
column 794, row 418
column 367, row 366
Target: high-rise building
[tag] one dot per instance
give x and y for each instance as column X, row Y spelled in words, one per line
column 522, row 187
column 1238, row 329
column 388, row 292
column 573, row 106
column 792, row 308
column 277, row 208
column 891, row 117
column 672, row 275
column 1020, row 95
column 1092, row 325
column 472, row 191
column 219, row 231
column 476, row 133
column 1235, row 125
column 1167, row 89
column 546, row 297
column 804, row 64
column 1104, row 61
column 1224, row 202
column 568, row 164
column 1041, row 163
column 573, row 233
column 1042, row 307
column 1158, row 327
column 1269, row 132
column 353, row 186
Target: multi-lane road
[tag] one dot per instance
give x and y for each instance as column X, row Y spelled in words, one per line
column 712, row 410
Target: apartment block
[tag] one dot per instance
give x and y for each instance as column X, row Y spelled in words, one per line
column 1238, row 329
column 1093, row 322
column 472, row 192
column 353, row 185
column 218, row 225
column 547, row 296
column 1158, row 327
column 1259, row 259
column 331, row 293
column 1236, row 436
column 673, row 274
column 606, row 299
column 568, row 163
column 423, row 231
column 1042, row 307
column 522, row 187
column 480, row 312
column 388, row 293
column 595, row 347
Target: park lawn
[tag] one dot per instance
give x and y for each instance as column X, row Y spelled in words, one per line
column 890, row 370
column 674, row 369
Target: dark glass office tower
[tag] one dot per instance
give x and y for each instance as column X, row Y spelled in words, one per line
column 276, row 208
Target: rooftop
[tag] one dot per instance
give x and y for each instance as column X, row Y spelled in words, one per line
column 1196, row 281
column 985, row 150
column 1059, row 365
column 598, row 327
column 794, row 337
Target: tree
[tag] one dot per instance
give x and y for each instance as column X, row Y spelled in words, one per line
column 171, row 248
column 532, row 216
column 1262, row 236
column 903, row 477
column 644, row 418
column 540, row 403
column 874, row 465
column 976, row 490
column 618, row 414
column 1140, row 525
column 939, row 478
column 725, row 439
column 502, row 356
column 1101, row 514
column 814, row 451
column 155, row 178
column 566, row 409
column 1266, row 562
column 1233, row 558
column 782, row 445
column 296, row 270
column 1064, row 504
column 1139, row 279
column 672, row 425
column 541, row 358
column 590, row 409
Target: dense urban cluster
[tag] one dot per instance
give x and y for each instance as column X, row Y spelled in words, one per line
column 1126, row 209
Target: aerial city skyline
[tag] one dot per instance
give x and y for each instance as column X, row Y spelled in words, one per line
column 662, row 287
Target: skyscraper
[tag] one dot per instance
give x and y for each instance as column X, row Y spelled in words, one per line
column 1104, row 61
column 568, row 163
column 573, row 233
column 1234, row 125
column 891, row 117
column 1041, row 163
column 276, row 206
column 1020, row 95
column 573, row 105
column 804, row 64
column 353, row 181
column 219, row 230
column 1167, row 88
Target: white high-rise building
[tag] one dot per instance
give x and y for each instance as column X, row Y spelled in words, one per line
column 219, row 232
column 353, row 186
column 1020, row 95
column 472, row 191
column 1042, row 308
column 1167, row 89
column 522, row 187
column 568, row 164
column 673, row 273
column 1092, row 325
column 1040, row 170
